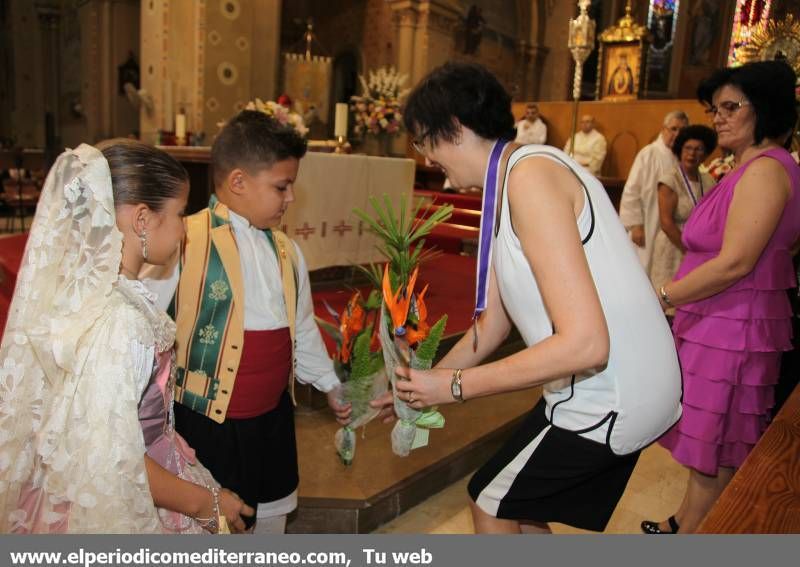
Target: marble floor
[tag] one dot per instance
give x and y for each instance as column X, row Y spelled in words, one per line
column 654, row 492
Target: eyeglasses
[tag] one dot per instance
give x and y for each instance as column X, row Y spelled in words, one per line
column 417, row 145
column 726, row 108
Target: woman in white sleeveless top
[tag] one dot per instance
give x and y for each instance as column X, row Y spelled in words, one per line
column 563, row 272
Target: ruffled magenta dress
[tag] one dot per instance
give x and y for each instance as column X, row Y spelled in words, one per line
column 730, row 344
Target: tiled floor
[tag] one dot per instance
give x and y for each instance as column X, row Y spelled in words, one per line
column 654, row 492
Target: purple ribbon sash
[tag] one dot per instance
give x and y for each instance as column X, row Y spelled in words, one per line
column 488, row 212
column 689, row 186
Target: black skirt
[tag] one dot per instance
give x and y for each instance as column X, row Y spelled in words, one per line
column 548, row 474
column 255, row 457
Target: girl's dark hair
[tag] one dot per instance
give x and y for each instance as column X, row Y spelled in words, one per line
column 141, row 173
column 459, row 93
column 770, row 88
column 695, row 132
column 252, row 140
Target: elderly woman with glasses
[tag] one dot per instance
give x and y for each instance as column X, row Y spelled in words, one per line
column 555, row 261
column 679, row 190
column 733, row 317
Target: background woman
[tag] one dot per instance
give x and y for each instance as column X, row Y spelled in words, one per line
column 732, row 317
column 678, row 193
column 563, row 271
column 80, row 450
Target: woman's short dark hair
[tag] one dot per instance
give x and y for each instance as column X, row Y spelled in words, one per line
column 695, row 132
column 459, row 93
column 141, row 173
column 770, row 88
column 252, row 140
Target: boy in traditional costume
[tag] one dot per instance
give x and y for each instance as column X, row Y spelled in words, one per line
column 241, row 299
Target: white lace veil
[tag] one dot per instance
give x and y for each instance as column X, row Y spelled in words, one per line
column 52, row 351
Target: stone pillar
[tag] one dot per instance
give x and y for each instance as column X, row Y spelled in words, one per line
column 425, row 34
column 406, row 16
column 49, row 15
column 110, row 34
column 435, row 35
column 209, row 57
column 266, row 49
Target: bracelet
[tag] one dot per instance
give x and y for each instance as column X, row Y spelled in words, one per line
column 455, row 386
column 664, row 296
column 211, row 524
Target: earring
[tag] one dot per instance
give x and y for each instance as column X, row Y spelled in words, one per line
column 143, row 238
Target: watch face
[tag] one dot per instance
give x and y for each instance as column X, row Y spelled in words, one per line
column 455, row 389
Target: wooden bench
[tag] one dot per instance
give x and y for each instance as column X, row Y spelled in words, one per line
column 764, row 495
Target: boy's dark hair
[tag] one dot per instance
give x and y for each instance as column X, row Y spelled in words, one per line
column 769, row 86
column 459, row 93
column 253, row 140
column 695, row 132
column 141, row 173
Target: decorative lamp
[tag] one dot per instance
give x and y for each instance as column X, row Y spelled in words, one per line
column 581, row 44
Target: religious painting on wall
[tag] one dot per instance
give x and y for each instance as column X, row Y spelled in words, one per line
column 621, row 59
column 620, row 71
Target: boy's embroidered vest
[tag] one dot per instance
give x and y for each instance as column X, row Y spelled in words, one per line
column 208, row 308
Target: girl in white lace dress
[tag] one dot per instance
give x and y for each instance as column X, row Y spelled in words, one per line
column 86, row 437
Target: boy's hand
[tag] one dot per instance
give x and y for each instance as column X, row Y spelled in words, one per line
column 386, row 404
column 341, row 411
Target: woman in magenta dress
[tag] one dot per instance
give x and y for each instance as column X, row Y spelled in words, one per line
column 733, row 318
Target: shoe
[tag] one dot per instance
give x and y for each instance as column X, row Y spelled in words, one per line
column 649, row 527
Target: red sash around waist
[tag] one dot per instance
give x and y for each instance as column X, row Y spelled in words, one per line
column 263, row 373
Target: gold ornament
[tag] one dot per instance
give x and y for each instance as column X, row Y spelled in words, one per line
column 775, row 39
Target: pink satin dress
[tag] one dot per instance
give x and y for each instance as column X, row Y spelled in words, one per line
column 165, row 445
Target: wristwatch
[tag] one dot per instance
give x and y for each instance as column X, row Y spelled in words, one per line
column 455, row 386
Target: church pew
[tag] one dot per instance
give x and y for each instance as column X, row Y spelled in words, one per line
column 764, row 495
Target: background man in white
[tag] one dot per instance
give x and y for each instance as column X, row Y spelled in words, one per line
column 531, row 129
column 590, row 146
column 638, row 208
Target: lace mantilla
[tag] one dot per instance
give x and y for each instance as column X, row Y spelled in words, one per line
column 71, row 445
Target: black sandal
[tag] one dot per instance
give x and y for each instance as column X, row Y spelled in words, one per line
column 652, row 528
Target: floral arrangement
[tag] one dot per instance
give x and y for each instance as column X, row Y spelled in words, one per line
column 377, row 109
column 718, row 167
column 280, row 113
column 358, row 364
column 406, row 338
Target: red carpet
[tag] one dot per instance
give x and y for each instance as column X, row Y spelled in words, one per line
column 451, row 278
column 11, row 250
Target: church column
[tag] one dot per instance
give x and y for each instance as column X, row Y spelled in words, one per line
column 266, row 49
column 537, row 59
column 406, row 16
column 49, row 14
column 110, row 35
column 435, row 35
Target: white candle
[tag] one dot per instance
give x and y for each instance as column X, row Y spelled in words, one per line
column 340, row 125
column 180, row 125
